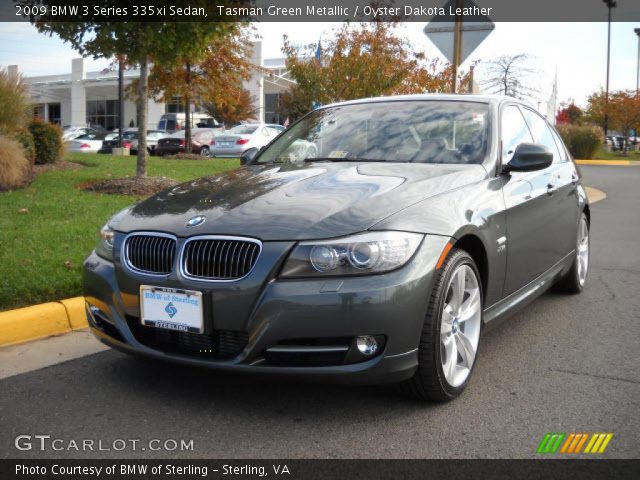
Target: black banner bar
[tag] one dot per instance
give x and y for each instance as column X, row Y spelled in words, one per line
column 319, row 469
column 314, row 10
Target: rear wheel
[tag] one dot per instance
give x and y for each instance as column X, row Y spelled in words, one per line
column 575, row 279
column 204, row 151
column 451, row 334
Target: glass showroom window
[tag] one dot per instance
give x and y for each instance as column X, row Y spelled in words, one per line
column 103, row 113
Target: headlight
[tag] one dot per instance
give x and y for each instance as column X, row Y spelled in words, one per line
column 373, row 252
column 104, row 248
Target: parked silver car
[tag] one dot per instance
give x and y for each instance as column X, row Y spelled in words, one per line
column 236, row 141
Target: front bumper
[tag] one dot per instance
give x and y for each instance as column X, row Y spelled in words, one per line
column 263, row 311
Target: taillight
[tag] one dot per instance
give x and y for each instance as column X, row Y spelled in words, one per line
column 242, row 141
column 182, row 143
column 213, row 142
column 85, row 145
column 126, row 145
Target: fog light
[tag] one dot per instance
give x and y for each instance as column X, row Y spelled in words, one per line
column 367, row 345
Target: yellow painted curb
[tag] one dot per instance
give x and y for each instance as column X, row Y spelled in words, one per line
column 608, row 162
column 40, row 321
column 75, row 312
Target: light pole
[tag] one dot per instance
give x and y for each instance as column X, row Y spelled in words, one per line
column 637, row 30
column 610, row 5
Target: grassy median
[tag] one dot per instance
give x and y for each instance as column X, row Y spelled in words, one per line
column 48, row 228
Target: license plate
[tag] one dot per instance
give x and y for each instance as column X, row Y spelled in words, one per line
column 226, row 144
column 171, row 309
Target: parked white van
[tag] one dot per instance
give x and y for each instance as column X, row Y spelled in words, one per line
column 172, row 122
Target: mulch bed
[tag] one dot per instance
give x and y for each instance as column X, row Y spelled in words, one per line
column 137, row 186
column 61, row 165
column 184, row 156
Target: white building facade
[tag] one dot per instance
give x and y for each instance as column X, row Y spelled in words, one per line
column 91, row 98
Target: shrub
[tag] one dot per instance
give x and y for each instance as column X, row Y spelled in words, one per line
column 47, row 138
column 25, row 139
column 14, row 166
column 15, row 110
column 583, row 141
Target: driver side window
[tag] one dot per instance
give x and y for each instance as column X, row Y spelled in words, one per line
column 513, row 132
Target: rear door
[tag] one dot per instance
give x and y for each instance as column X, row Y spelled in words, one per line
column 561, row 189
column 530, row 236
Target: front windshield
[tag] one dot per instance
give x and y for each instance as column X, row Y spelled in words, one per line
column 429, row 131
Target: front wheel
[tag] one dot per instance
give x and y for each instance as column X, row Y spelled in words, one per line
column 451, row 333
column 204, row 151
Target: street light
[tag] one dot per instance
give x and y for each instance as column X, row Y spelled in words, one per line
column 637, row 30
column 610, row 5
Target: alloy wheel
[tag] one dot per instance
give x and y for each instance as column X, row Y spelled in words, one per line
column 583, row 251
column 460, row 325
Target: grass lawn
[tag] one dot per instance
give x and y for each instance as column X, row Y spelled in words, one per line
column 48, row 228
column 602, row 154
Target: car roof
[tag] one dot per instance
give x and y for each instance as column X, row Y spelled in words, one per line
column 460, row 97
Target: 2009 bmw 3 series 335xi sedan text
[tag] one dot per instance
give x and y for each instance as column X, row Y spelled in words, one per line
column 373, row 241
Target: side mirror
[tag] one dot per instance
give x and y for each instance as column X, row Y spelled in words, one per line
column 529, row 157
column 247, row 157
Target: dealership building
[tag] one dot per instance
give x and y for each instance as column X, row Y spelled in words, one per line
column 91, row 98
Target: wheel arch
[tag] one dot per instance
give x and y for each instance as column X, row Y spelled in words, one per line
column 474, row 246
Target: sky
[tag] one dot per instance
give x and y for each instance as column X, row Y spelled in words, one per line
column 576, row 51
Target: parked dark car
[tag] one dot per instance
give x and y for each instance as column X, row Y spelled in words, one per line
column 175, row 143
column 127, row 141
column 130, row 141
column 417, row 223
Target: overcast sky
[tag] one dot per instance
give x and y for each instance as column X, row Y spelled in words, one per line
column 576, row 50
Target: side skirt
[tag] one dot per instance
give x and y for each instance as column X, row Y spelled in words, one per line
column 503, row 309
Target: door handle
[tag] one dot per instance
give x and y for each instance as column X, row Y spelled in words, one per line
column 551, row 189
column 574, row 178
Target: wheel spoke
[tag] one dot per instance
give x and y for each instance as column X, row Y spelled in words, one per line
column 449, row 366
column 457, row 290
column 470, row 306
column 447, row 320
column 466, row 349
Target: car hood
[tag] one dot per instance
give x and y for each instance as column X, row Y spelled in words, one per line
column 296, row 202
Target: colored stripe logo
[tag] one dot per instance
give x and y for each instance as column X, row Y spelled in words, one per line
column 574, row 443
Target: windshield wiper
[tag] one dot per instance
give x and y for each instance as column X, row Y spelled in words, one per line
column 342, row 159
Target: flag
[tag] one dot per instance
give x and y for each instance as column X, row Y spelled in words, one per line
column 319, row 51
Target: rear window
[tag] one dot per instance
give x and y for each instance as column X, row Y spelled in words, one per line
column 243, row 129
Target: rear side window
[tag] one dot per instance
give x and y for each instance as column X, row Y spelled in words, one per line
column 542, row 133
column 514, row 131
column 564, row 156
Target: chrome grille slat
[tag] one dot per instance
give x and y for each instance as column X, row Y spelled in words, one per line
column 219, row 258
column 149, row 253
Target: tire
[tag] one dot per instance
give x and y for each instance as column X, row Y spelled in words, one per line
column 430, row 382
column 204, row 151
column 574, row 280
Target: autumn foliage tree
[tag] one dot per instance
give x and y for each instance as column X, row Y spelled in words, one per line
column 569, row 114
column 138, row 43
column 234, row 108
column 212, row 77
column 622, row 110
column 359, row 61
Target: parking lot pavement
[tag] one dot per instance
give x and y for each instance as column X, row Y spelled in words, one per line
column 563, row 364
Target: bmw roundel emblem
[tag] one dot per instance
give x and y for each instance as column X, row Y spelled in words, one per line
column 195, row 221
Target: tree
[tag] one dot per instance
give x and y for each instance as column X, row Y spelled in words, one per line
column 234, row 108
column 510, row 75
column 569, row 113
column 359, row 61
column 137, row 42
column 212, row 77
column 622, row 110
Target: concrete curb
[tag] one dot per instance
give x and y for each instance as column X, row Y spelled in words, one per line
column 40, row 321
column 625, row 163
